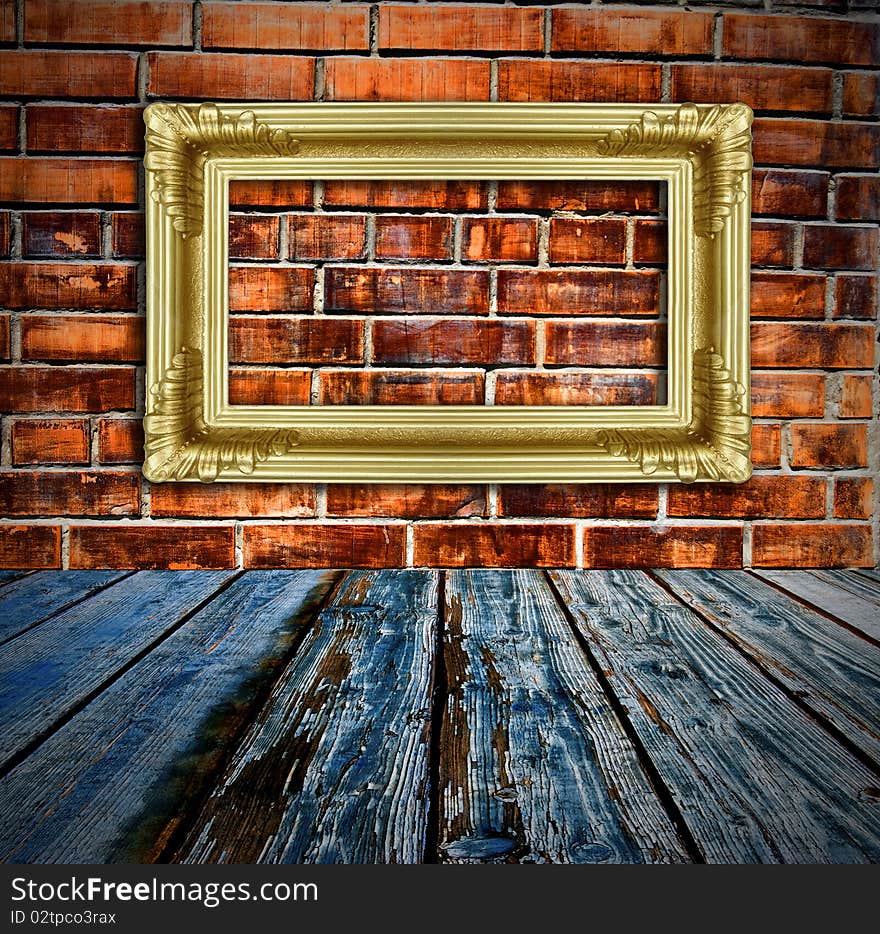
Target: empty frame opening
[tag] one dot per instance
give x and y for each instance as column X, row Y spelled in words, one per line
column 504, row 293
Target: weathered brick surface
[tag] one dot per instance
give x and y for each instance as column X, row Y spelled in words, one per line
column 323, row 545
column 436, row 291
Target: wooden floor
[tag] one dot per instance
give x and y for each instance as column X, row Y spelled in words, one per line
column 422, row 716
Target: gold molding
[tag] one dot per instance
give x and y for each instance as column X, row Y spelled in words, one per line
column 179, row 138
column 179, row 443
column 700, row 151
column 718, row 139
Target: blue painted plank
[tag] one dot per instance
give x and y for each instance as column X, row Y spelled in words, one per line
column 7, row 576
column 335, row 767
column 755, row 777
column 47, row 671
column 38, row 596
column 113, row 783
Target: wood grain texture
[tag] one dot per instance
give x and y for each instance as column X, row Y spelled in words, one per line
column 114, row 782
column 535, row 766
column 871, row 574
column 47, row 671
column 7, row 577
column 335, row 767
column 833, row 671
column 841, row 593
column 28, row 601
column 755, row 778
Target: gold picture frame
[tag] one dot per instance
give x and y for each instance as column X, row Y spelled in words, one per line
column 702, row 432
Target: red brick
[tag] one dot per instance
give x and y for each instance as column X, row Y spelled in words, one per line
column 594, row 197
column 127, row 235
column 401, row 236
column 855, row 296
column 788, row 395
column 499, row 239
column 56, row 234
column 401, row 387
column 120, row 441
column 579, row 500
column 543, row 80
column 787, row 295
column 326, row 236
column 772, row 244
column 400, row 500
column 764, row 496
column 5, row 348
column 631, row 29
column 69, row 493
column 66, row 285
column 717, row 546
column 762, row 87
column 790, row 192
column 858, row 198
column 269, row 387
column 853, row 498
column 41, row 74
column 825, row 545
column 587, row 240
column 446, row 341
column 84, row 128
column 244, row 500
column 650, row 237
column 816, row 142
column 333, row 545
column 41, row 441
column 606, row 387
column 813, row 345
column 833, row 246
column 68, row 181
column 861, row 93
column 253, row 236
column 855, row 396
column 507, row 545
column 285, row 26
column 406, row 79
column 461, row 28
column 578, row 292
column 7, row 20
column 66, row 389
column 435, row 195
column 270, row 193
column 81, row 338
column 108, row 22
column 829, row 445
column 605, row 343
column 152, row 546
column 295, row 340
column 270, row 288
column 8, row 128
column 407, row 290
column 30, row 546
column 766, row 445
column 801, row 39
column 229, row 76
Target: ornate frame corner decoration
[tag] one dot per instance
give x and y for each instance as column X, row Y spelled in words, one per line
column 702, row 432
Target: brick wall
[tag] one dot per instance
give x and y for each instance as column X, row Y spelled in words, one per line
column 493, row 274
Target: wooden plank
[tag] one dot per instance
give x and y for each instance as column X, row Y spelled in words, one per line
column 756, row 778
column 833, row 671
column 335, row 767
column 114, row 782
column 871, row 574
column 47, row 671
column 7, row 577
column 535, row 765
column 834, row 593
column 32, row 599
